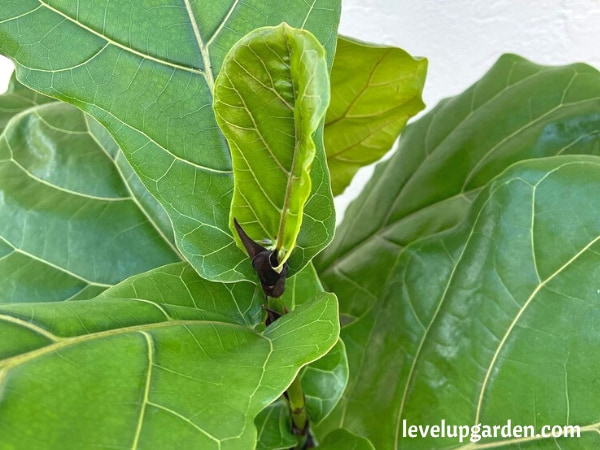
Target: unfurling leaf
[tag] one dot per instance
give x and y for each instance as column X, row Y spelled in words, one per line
column 270, row 98
column 369, row 106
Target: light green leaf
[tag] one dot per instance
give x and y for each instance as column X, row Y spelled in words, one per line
column 324, row 381
column 374, row 91
column 343, row 439
column 270, row 97
column 159, row 374
column 518, row 110
column 275, row 427
column 74, row 219
column 301, row 287
column 147, row 75
column 178, row 286
column 492, row 321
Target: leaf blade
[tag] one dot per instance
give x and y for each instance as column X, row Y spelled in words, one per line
column 64, row 200
column 421, row 190
column 473, row 297
column 270, row 97
column 154, row 368
column 369, row 107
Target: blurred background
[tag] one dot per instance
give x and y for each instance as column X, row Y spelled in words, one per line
column 462, row 39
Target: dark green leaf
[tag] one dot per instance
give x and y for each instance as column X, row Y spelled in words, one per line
column 74, row 219
column 147, row 74
column 518, row 110
column 270, row 97
column 374, row 91
column 492, row 321
column 323, row 383
column 17, row 99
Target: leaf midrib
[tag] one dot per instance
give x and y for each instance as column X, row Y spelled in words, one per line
column 292, row 171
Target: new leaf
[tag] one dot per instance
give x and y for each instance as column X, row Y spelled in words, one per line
column 270, row 97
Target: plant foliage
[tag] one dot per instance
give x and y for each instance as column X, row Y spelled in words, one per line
column 466, row 270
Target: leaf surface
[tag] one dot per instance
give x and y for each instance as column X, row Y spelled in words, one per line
column 518, row 110
column 270, row 97
column 147, row 75
column 179, row 287
column 374, row 91
column 160, row 371
column 491, row 321
column 481, row 305
column 323, row 381
column 74, row 219
column 275, row 427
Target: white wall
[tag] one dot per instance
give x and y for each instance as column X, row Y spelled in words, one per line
column 5, row 71
column 463, row 38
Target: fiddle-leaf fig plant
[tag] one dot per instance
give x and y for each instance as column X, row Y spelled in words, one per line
column 140, row 149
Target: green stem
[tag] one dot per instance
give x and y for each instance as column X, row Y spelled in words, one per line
column 294, row 393
column 297, row 403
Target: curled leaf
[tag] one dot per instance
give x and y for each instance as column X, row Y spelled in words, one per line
column 270, row 98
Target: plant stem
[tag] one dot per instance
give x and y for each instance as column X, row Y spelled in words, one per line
column 294, row 394
column 297, row 402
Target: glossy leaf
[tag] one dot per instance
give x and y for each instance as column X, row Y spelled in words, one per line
column 491, row 321
column 147, row 75
column 270, row 97
column 161, row 371
column 429, row 318
column 374, row 91
column 518, row 110
column 74, row 219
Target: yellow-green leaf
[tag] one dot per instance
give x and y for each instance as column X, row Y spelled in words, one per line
column 270, row 98
column 374, row 91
